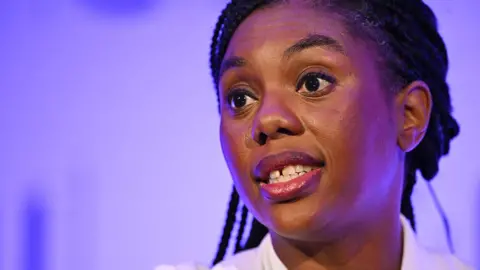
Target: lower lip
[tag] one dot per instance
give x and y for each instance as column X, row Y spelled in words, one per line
column 293, row 189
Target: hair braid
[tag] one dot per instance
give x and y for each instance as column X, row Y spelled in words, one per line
column 227, row 229
column 257, row 233
column 233, row 15
column 241, row 229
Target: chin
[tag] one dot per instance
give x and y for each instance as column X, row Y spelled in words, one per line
column 299, row 220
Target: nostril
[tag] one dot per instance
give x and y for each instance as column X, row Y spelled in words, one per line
column 285, row 131
column 262, row 138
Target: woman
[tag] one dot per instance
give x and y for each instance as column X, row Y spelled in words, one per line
column 328, row 108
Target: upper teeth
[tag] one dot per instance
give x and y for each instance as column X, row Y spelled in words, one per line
column 288, row 173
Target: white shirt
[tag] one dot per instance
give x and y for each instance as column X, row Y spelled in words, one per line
column 415, row 257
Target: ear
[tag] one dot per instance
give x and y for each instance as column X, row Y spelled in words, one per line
column 414, row 104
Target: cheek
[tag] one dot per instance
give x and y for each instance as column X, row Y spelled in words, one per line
column 340, row 126
column 233, row 139
column 342, row 136
column 353, row 138
column 232, row 143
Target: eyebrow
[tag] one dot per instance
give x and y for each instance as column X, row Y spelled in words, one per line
column 310, row 41
column 230, row 63
column 314, row 40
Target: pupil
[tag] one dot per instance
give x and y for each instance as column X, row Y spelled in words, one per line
column 312, row 84
column 239, row 101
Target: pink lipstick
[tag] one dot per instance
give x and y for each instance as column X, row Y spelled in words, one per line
column 288, row 176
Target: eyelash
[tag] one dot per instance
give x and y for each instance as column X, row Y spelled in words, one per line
column 320, row 75
column 238, row 91
column 303, row 78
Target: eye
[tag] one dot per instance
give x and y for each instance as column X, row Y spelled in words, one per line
column 314, row 82
column 240, row 98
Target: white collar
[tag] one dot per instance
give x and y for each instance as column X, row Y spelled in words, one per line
column 415, row 257
column 268, row 259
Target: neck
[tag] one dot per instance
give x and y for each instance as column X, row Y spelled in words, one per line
column 374, row 245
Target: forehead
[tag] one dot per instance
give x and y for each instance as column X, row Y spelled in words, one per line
column 279, row 26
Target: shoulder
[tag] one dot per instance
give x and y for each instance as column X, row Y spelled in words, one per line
column 418, row 257
column 240, row 261
column 247, row 259
column 187, row 266
column 443, row 261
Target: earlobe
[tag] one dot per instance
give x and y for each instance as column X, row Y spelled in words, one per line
column 415, row 105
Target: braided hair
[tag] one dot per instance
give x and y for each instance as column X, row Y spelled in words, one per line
column 411, row 48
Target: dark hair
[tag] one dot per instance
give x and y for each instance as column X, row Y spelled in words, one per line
column 411, row 48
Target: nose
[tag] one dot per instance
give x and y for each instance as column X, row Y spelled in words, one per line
column 275, row 119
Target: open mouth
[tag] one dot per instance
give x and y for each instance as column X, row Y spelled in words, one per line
column 288, row 176
column 285, row 167
column 288, row 173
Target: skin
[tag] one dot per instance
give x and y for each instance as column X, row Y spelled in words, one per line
column 362, row 133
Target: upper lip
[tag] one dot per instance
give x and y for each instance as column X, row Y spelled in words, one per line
column 279, row 161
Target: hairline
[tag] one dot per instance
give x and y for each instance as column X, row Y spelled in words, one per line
column 361, row 30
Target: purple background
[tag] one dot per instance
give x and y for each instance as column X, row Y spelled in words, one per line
column 109, row 151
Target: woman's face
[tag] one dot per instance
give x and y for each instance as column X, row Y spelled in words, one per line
column 308, row 131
